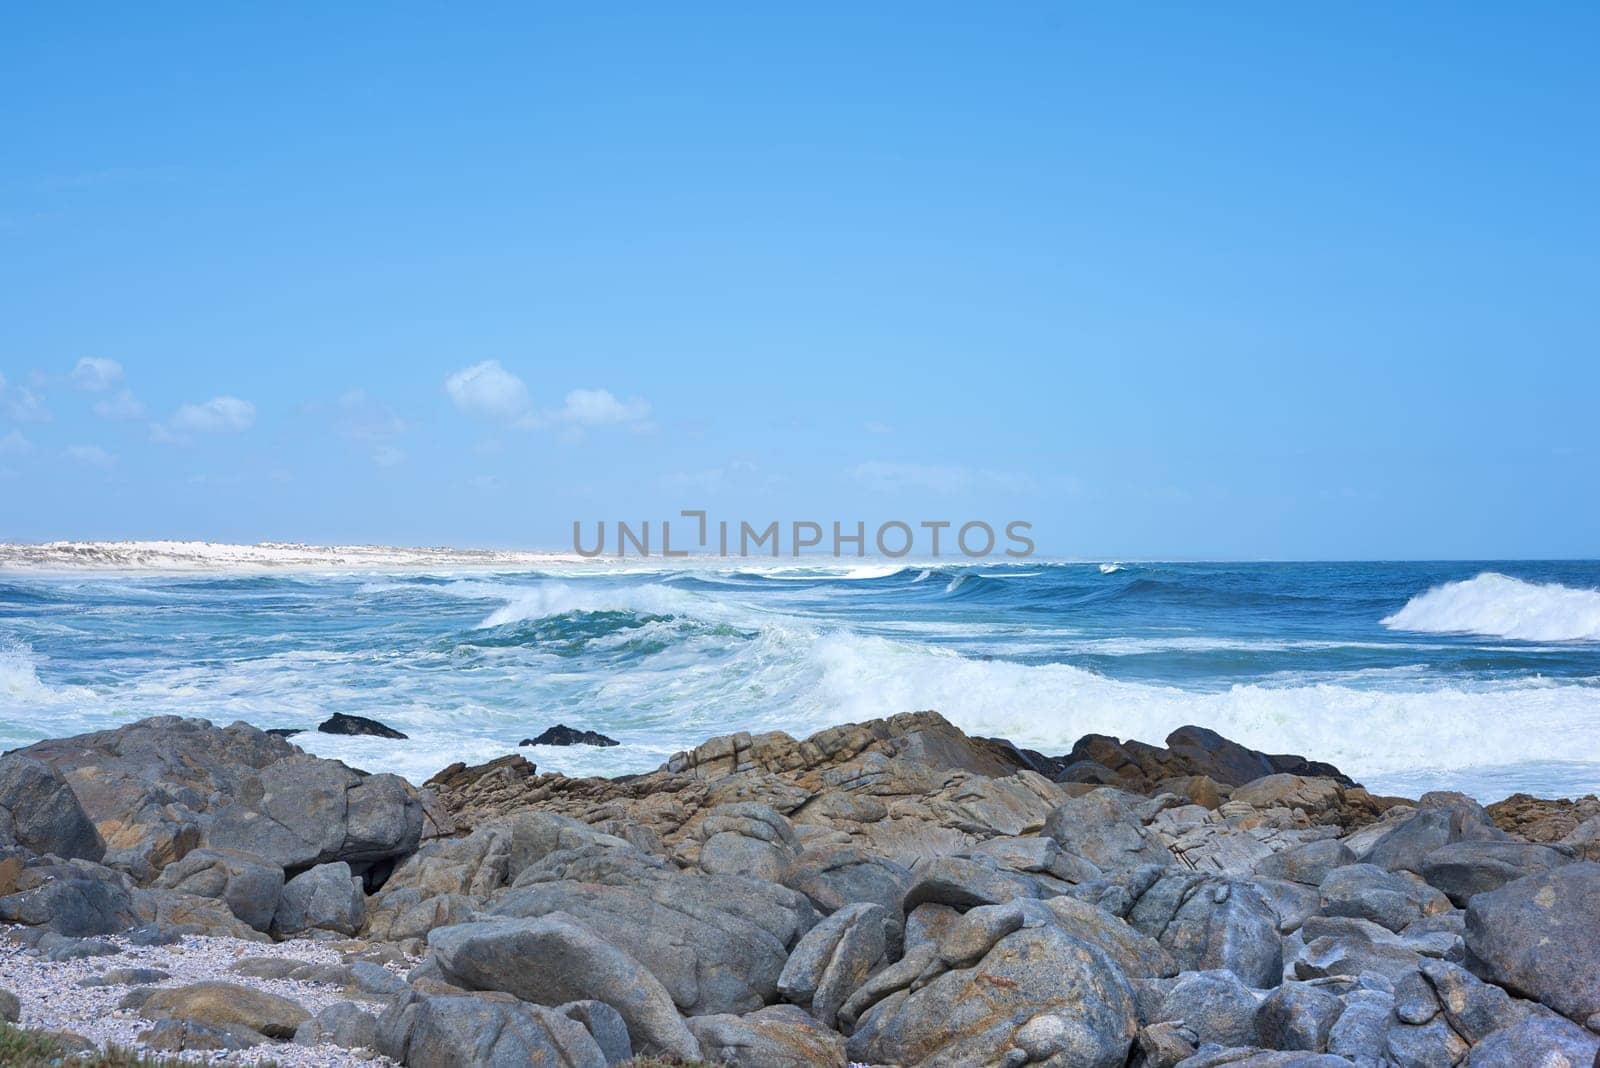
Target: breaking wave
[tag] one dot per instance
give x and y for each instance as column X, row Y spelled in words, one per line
column 1503, row 607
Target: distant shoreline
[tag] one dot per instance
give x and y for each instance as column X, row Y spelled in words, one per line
column 266, row 556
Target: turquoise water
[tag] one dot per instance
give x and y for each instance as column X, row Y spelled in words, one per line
column 1475, row 676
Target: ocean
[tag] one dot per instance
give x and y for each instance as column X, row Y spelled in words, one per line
column 1482, row 677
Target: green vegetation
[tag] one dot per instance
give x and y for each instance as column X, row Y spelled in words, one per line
column 20, row 1048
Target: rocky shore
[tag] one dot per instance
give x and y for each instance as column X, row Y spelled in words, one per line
column 886, row 893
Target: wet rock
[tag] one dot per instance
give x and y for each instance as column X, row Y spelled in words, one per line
column 1462, row 869
column 1540, row 937
column 780, row 1036
column 340, row 723
column 10, row 1007
column 561, row 734
column 574, row 965
column 834, row 958
column 217, row 1004
column 245, row 883
column 327, row 898
column 1386, row 898
column 39, row 811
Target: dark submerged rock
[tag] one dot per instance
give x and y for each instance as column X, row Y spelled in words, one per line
column 340, row 723
column 561, row 734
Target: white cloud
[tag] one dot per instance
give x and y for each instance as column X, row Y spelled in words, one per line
column 387, row 456
column 357, row 414
column 93, row 455
column 219, row 415
column 95, row 374
column 598, row 407
column 122, row 406
column 26, row 406
column 488, row 391
column 873, row 426
column 15, row 444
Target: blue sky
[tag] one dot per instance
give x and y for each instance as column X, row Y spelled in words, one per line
column 1246, row 281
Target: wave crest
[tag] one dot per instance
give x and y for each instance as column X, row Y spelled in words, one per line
column 1503, row 607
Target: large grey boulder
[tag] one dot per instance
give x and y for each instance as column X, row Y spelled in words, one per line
column 484, row 1031
column 1361, row 1033
column 226, row 1005
column 344, row 1023
column 313, row 811
column 1309, row 863
column 834, row 958
column 746, row 838
column 1537, row 1042
column 834, row 878
column 1106, row 827
column 1297, row 1016
column 1036, row 995
column 1476, row 866
column 325, row 898
column 403, row 914
column 477, row 864
column 1210, row 922
column 555, row 959
column 1440, row 819
column 39, row 811
column 1390, row 899
column 605, row 1025
column 779, row 1036
column 965, row 882
column 158, row 787
column 1137, row 954
column 1540, row 937
column 716, row 942
column 247, row 884
column 75, row 898
column 1213, row 1004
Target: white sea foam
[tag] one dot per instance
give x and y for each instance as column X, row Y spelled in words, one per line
column 1503, row 607
column 1386, row 733
column 1111, row 569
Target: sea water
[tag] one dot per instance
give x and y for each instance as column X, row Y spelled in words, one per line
column 1481, row 677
